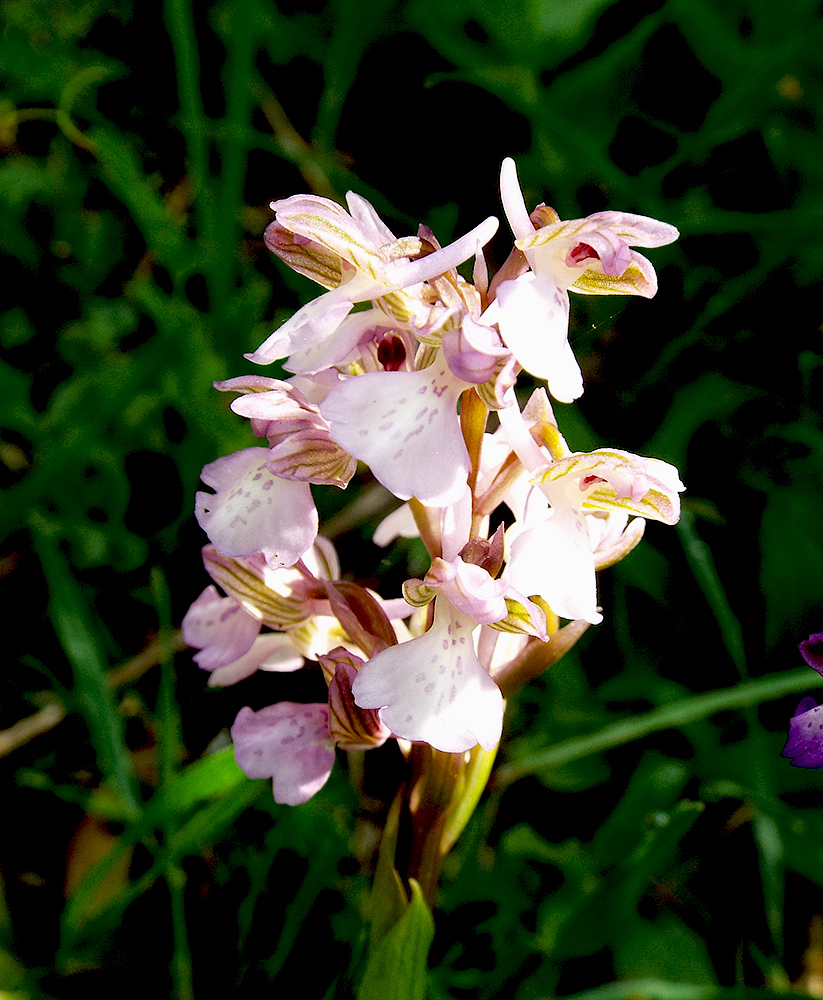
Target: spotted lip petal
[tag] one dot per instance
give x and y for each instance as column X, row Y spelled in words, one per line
column 289, row 743
column 253, row 510
column 405, row 427
column 433, row 689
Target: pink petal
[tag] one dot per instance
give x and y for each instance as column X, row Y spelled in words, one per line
column 273, row 651
column 255, row 511
column 554, row 560
column 636, row 230
column 470, row 589
column 405, row 427
column 220, row 628
column 364, row 214
column 289, row 743
column 512, row 197
column 534, row 323
column 402, row 275
column 308, row 327
column 434, row 689
column 337, row 347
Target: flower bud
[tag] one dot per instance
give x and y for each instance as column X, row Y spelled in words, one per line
column 351, row 728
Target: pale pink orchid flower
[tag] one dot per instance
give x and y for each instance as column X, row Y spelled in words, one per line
column 433, row 688
column 404, row 425
column 592, row 256
column 358, row 259
column 289, row 743
column 558, row 539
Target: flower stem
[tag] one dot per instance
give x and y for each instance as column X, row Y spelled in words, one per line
column 444, row 790
column 434, row 775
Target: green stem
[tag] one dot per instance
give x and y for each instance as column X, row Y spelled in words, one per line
column 443, row 793
column 184, row 42
column 431, row 789
column 672, row 716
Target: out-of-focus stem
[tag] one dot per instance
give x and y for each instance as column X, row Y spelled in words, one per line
column 537, row 657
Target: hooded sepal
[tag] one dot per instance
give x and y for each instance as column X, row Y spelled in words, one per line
column 351, row 728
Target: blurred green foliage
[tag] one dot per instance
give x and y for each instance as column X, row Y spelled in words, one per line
column 642, row 836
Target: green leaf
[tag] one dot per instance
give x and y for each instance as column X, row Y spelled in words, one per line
column 208, row 778
column 658, row 989
column 396, row 966
column 671, row 716
column 666, row 949
column 791, row 539
column 74, row 624
column 124, row 174
column 702, row 565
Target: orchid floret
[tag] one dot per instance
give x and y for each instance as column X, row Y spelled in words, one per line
column 804, row 746
column 405, row 427
column 434, row 688
column 220, row 628
column 253, row 510
column 289, row 743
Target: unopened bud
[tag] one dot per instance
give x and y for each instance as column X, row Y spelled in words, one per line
column 352, row 728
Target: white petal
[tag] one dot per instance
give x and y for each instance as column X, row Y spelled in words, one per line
column 534, row 324
column 400, row 523
column 405, row 427
column 255, row 511
column 512, row 197
column 434, row 689
column 308, row 327
column 272, row 651
column 402, row 275
column 554, row 559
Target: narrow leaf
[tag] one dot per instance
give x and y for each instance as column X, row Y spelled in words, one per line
column 73, row 622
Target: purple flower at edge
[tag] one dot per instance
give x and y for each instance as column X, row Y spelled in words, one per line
column 804, row 746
